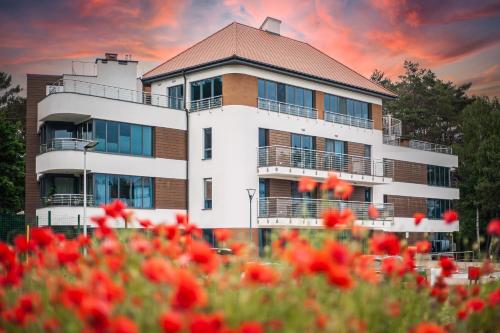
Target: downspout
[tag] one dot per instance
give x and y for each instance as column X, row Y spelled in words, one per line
column 187, row 140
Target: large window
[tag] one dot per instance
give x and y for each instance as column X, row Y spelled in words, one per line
column 207, row 193
column 207, row 143
column 176, row 97
column 207, row 88
column 123, row 138
column 438, row 176
column 437, row 207
column 285, row 93
column 136, row 192
column 346, row 106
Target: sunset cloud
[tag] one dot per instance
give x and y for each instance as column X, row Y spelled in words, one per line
column 364, row 34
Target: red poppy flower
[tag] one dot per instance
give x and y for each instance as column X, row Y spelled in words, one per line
column 343, row 190
column 462, row 314
column 146, row 223
column 171, row 322
column 42, row 236
column 68, row 252
column 95, row 313
column 307, row 184
column 373, row 212
column 385, row 243
column 340, row 276
column 206, row 323
column 428, row 328
column 115, row 209
column 450, row 216
column 333, row 218
column 494, row 297
column 319, row 262
column 475, row 305
column 423, row 246
column 258, row 273
column 51, row 325
column 201, row 253
column 222, row 235
column 418, row 217
column 331, row 182
column 251, row 327
column 157, row 270
column 182, row 219
column 392, row 266
column 187, row 293
column 447, row 266
column 494, row 227
column 22, row 244
column 122, row 324
column 338, row 252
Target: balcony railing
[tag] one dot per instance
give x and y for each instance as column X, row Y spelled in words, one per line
column 67, row 200
column 345, row 119
column 416, row 144
column 282, row 207
column 206, row 103
column 63, row 144
column 320, row 160
column 291, row 109
column 122, row 94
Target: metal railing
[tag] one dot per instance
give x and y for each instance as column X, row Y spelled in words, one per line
column 391, row 126
column 282, row 207
column 291, row 109
column 345, row 119
column 122, row 94
column 417, row 144
column 206, row 103
column 67, row 200
column 326, row 161
column 63, row 144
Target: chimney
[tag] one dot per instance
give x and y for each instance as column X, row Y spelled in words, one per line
column 271, row 25
column 111, row 56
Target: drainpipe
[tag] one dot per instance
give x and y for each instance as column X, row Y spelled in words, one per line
column 187, row 140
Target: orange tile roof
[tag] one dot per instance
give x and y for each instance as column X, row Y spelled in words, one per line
column 238, row 41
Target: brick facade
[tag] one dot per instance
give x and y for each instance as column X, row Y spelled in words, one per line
column 280, row 188
column 377, row 116
column 170, row 143
column 320, row 103
column 407, row 206
column 36, row 91
column 239, row 89
column 280, row 138
column 170, row 193
column 409, row 172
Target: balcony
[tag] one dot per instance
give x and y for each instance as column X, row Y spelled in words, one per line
column 345, row 119
column 291, row 163
column 67, row 199
column 116, row 93
column 206, row 104
column 59, row 144
column 285, row 108
column 416, row 144
column 284, row 211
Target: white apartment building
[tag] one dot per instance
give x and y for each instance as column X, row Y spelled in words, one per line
column 243, row 109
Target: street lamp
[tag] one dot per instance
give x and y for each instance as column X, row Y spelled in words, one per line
column 251, row 193
column 88, row 147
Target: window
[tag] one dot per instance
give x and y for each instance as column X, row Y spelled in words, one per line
column 136, row 192
column 347, row 106
column 207, row 143
column 438, row 176
column 285, row 93
column 368, row 194
column 437, row 207
column 175, row 97
column 123, row 138
column 209, row 237
column 207, row 193
column 207, row 88
column 263, row 137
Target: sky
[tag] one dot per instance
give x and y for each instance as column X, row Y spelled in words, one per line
column 458, row 40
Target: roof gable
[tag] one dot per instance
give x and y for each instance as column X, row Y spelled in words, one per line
column 241, row 41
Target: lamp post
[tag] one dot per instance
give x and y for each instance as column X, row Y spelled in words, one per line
column 88, row 147
column 251, row 193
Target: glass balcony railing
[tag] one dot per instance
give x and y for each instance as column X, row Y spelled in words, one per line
column 63, row 144
column 417, row 144
column 282, row 207
column 325, row 161
column 291, row 109
column 117, row 93
column 348, row 120
column 67, row 199
column 206, row 104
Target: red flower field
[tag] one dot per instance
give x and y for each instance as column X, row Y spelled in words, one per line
column 166, row 278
